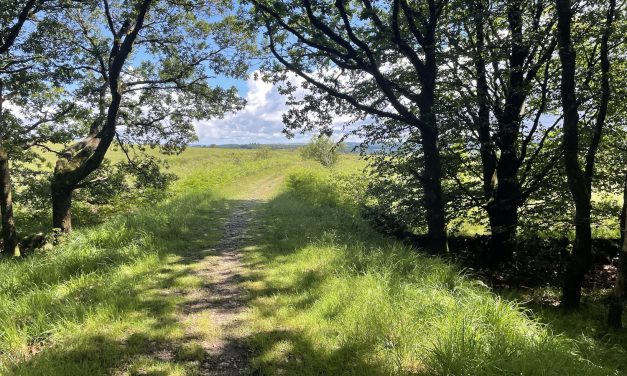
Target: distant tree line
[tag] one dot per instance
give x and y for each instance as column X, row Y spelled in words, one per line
column 507, row 111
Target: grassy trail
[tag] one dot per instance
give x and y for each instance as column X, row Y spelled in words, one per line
column 222, row 297
column 266, row 266
column 149, row 293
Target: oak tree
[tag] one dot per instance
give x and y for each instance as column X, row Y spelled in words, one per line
column 146, row 70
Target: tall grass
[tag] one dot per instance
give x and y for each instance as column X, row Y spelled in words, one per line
column 329, row 296
column 332, row 297
column 104, row 300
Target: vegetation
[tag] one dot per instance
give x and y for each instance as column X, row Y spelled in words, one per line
column 494, row 143
column 322, row 149
column 488, row 111
column 327, row 294
column 331, row 296
column 336, row 41
column 106, row 298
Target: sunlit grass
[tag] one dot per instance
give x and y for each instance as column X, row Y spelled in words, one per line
column 105, row 299
column 330, row 296
column 100, row 299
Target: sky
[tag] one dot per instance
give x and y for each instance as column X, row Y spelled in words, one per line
column 259, row 122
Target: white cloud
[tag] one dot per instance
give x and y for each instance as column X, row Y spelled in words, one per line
column 259, row 122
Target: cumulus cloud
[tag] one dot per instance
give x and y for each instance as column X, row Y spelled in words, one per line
column 259, row 122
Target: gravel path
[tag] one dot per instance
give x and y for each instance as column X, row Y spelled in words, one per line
column 222, row 297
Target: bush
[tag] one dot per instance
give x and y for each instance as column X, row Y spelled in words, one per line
column 322, row 149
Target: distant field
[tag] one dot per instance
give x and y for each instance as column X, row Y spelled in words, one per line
column 198, row 166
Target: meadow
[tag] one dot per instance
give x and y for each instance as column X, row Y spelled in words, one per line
column 326, row 294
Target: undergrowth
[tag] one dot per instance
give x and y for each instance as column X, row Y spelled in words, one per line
column 330, row 296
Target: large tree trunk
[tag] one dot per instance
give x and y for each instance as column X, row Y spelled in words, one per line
column 582, row 249
column 578, row 266
column 71, row 169
column 581, row 258
column 432, row 179
column 61, row 207
column 434, row 201
column 9, row 234
column 503, row 207
column 503, row 216
column 619, row 294
column 580, row 178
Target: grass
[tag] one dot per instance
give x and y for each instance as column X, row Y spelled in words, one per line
column 105, row 300
column 330, row 296
column 197, row 169
column 98, row 302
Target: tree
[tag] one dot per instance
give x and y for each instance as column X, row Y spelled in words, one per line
column 30, row 104
column 376, row 59
column 16, row 20
column 579, row 175
column 322, row 149
column 619, row 294
column 145, row 78
column 13, row 20
column 498, row 92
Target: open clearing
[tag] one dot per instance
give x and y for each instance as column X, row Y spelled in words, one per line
column 263, row 265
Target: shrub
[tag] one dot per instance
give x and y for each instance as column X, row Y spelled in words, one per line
column 322, row 149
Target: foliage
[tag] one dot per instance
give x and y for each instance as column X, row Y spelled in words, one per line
column 322, row 149
column 349, row 301
column 169, row 69
column 372, row 64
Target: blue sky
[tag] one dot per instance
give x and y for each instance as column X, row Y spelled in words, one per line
column 260, row 121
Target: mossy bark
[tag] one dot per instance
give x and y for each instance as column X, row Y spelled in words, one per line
column 61, row 207
column 9, row 233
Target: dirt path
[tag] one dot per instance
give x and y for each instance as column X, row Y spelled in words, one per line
column 222, row 297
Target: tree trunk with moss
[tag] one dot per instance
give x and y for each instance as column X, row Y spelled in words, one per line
column 9, row 234
column 84, row 157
